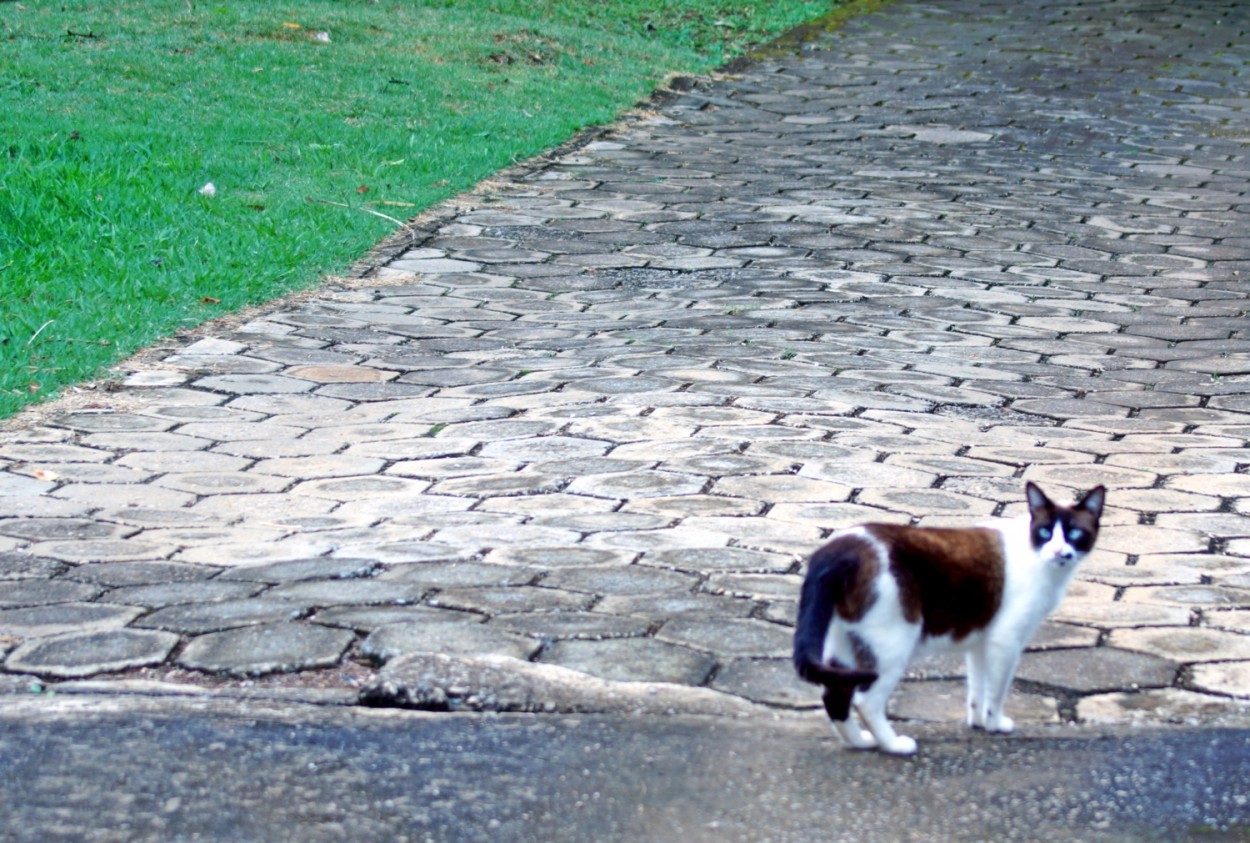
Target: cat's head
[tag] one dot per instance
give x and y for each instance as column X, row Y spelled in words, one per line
column 1063, row 535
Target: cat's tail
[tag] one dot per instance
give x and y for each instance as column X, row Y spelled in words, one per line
column 822, row 588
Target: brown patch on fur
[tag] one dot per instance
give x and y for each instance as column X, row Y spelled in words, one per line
column 859, row 571
column 949, row 580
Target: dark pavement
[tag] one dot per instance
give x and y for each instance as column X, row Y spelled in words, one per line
column 258, row 773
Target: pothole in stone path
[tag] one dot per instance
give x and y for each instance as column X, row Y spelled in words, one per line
column 527, row 233
column 992, row 415
column 666, row 279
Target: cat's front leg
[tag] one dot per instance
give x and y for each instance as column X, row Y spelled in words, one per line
column 1001, row 669
column 977, row 690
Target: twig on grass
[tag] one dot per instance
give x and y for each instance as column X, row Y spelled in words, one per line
column 37, row 333
column 339, row 204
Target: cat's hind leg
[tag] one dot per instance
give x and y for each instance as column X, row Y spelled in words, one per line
column 837, row 701
column 871, row 705
column 891, row 640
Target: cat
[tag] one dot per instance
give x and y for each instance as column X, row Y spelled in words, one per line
column 877, row 594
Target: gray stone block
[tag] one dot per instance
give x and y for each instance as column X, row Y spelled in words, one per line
column 80, row 654
column 446, row 637
column 301, row 569
column 640, row 659
column 1097, row 669
column 266, row 648
column 195, row 618
column 39, row 621
column 33, row 592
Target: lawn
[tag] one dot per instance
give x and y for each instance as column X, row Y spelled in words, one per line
column 314, row 121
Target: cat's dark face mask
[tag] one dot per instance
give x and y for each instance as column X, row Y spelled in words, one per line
column 1061, row 534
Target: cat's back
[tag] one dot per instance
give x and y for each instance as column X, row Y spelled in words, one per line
column 949, row 579
column 958, row 551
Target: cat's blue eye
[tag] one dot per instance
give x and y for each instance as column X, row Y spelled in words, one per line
column 1075, row 534
column 1044, row 533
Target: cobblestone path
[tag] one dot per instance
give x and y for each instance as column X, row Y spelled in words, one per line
column 581, row 429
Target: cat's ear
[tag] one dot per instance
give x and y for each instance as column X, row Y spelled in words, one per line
column 1093, row 501
column 1036, row 497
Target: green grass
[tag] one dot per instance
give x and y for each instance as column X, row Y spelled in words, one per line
column 114, row 114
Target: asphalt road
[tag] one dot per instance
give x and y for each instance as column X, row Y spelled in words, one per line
column 124, row 771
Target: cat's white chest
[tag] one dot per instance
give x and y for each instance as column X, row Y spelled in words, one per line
column 1033, row 584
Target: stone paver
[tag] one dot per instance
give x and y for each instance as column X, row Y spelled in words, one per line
column 566, row 443
column 266, row 648
column 88, row 653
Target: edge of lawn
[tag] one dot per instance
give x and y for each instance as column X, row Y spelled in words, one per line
column 103, row 392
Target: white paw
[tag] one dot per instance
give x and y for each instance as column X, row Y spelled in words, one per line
column 861, row 739
column 1001, row 723
column 855, row 737
column 976, row 719
column 901, row 745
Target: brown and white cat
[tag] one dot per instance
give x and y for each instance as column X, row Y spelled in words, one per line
column 878, row 594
